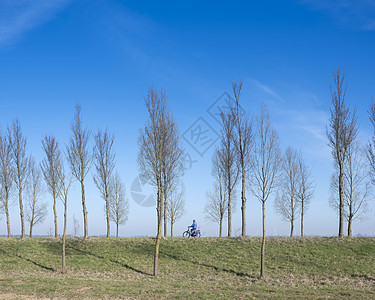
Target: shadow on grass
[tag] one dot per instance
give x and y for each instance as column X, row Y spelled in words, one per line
column 365, row 278
column 29, row 260
column 35, row 263
column 209, row 266
column 111, row 260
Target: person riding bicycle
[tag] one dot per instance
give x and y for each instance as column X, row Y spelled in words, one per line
column 194, row 227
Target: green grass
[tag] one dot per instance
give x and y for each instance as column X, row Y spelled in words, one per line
column 203, row 268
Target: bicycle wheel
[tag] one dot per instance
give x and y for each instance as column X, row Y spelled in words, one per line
column 186, row 234
column 198, row 234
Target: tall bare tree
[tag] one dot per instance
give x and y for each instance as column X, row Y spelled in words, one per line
column 62, row 193
column 50, row 168
column 155, row 143
column 305, row 188
column 216, row 206
column 242, row 141
column 175, row 205
column 266, row 165
column 356, row 186
column 104, row 159
column 118, row 204
column 342, row 131
column 172, row 164
column 36, row 210
column 371, row 143
column 6, row 176
column 21, row 164
column 79, row 158
column 230, row 167
column 286, row 203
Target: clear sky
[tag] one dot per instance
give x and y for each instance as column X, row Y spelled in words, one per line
column 105, row 54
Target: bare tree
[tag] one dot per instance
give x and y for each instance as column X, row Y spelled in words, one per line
column 63, row 192
column 242, row 142
column 286, row 203
column 172, row 163
column 342, row 132
column 371, row 143
column 356, row 186
column 104, row 159
column 305, row 188
column 216, row 207
column 266, row 164
column 228, row 160
column 50, row 168
column 175, row 208
column 36, row 210
column 79, row 158
column 6, row 176
column 118, row 204
column 155, row 142
column 21, row 164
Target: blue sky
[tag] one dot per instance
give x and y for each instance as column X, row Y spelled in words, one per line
column 105, row 54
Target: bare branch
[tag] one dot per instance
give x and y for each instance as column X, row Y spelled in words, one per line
column 118, row 204
column 79, row 157
column 50, row 166
column 342, row 132
column 36, row 210
column 104, row 160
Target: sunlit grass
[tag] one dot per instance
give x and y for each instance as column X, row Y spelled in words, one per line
column 311, row 267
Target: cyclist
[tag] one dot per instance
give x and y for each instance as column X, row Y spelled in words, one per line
column 194, row 227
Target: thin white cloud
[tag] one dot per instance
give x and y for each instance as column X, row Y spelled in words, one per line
column 357, row 14
column 19, row 17
column 267, row 90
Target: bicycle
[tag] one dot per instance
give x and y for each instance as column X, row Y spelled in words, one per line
column 187, row 233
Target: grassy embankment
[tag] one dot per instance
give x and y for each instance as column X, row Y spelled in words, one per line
column 206, row 268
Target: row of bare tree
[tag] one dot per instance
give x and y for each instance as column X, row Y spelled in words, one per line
column 249, row 152
column 19, row 172
column 15, row 168
column 350, row 185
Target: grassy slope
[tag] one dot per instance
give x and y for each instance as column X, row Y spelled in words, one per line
column 204, row 268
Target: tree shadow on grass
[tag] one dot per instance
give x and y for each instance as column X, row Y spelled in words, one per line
column 365, row 278
column 124, row 265
column 29, row 260
column 241, row 274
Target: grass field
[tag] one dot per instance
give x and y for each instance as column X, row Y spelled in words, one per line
column 103, row 268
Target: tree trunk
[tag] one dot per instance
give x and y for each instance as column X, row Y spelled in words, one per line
column 341, row 207
column 21, row 213
column 262, row 253
column 302, row 218
column 7, row 211
column 291, row 227
column 32, row 218
column 165, row 213
column 229, row 209
column 117, row 229
column 64, row 238
column 243, row 207
column 107, row 210
column 85, row 224
column 221, row 227
column 172, row 227
column 158, row 236
column 54, row 212
column 350, row 219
